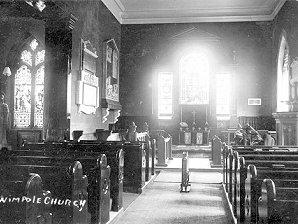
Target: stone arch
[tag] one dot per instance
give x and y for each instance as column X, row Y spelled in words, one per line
column 15, row 50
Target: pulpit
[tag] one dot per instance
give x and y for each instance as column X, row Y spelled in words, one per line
column 286, row 127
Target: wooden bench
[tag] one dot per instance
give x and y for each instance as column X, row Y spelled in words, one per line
column 59, row 173
column 149, row 146
column 85, row 153
column 253, row 183
column 278, row 204
column 216, row 149
column 134, row 158
column 228, row 154
column 163, row 145
column 67, row 184
column 134, row 162
column 234, row 174
column 23, row 201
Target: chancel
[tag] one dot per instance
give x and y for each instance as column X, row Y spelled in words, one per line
column 161, row 111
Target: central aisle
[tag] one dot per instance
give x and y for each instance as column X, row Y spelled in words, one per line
column 162, row 203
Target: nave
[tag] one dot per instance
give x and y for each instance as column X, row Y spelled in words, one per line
column 162, row 202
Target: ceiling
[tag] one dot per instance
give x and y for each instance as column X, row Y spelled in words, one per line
column 190, row 11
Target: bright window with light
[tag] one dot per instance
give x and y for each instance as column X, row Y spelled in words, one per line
column 29, row 87
column 223, row 93
column 283, row 75
column 194, row 79
column 165, row 95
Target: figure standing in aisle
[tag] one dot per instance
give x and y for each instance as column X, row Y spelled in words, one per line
column 4, row 112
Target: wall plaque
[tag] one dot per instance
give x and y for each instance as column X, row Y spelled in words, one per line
column 111, row 58
column 87, row 86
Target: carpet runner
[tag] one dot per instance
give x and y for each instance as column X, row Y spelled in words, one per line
column 162, row 202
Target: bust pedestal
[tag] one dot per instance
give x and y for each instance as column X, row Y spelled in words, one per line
column 286, row 127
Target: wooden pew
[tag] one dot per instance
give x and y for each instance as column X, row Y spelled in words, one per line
column 134, row 158
column 254, row 179
column 85, row 153
column 54, row 176
column 134, row 162
column 153, row 150
column 115, row 159
column 235, row 167
column 273, row 154
column 99, row 192
column 164, row 146
column 149, row 146
column 67, row 184
column 132, row 136
column 238, row 186
column 17, row 205
column 278, row 204
column 216, row 148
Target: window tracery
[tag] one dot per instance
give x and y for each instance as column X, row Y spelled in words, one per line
column 29, row 87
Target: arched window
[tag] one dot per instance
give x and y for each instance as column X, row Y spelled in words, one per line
column 194, row 79
column 283, row 74
column 29, row 87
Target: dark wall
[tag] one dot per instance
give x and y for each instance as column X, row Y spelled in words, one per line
column 97, row 24
column 147, row 48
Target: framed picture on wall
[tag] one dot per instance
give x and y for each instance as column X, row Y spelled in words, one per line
column 110, row 105
column 111, row 71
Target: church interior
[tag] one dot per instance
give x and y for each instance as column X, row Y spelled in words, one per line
column 108, row 105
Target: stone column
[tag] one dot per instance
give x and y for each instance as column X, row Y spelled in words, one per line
column 58, row 47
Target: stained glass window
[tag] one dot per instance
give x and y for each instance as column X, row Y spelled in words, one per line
column 29, row 87
column 194, row 79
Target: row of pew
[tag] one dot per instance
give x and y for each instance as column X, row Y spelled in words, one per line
column 261, row 183
column 71, row 182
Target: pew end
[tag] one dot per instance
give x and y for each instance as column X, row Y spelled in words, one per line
column 274, row 209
